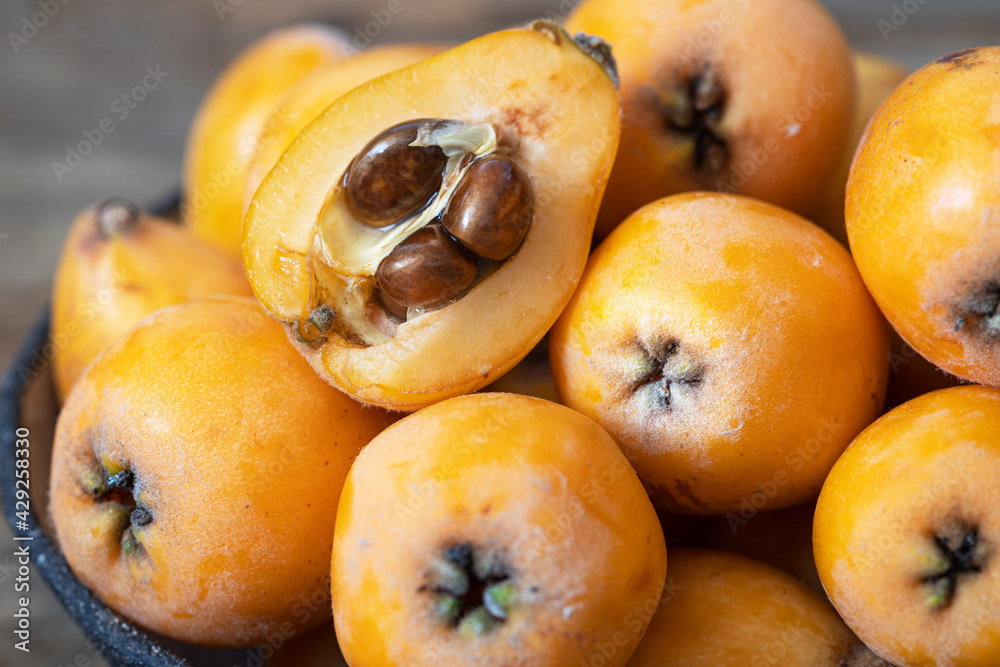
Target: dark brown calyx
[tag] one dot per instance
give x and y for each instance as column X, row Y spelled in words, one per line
column 983, row 311
column 115, row 217
column 118, row 489
column 390, row 180
column 426, row 270
column 491, row 210
column 671, row 369
column 472, row 589
column 962, row 553
column 694, row 106
column 313, row 330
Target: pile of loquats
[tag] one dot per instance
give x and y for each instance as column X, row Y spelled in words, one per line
column 409, row 229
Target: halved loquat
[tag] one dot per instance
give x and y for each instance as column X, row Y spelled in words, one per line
column 420, row 236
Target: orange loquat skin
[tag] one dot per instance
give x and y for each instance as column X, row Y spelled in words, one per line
column 907, row 528
column 721, row 610
column 196, row 471
column 537, row 493
column 224, row 134
column 784, row 90
column 112, row 273
column 923, row 212
column 305, row 100
column 876, row 78
column 728, row 346
column 556, row 112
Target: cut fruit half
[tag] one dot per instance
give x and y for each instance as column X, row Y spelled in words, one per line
column 422, row 234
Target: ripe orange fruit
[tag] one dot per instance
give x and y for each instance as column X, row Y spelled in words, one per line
column 223, row 137
column 494, row 529
column 384, row 302
column 749, row 97
column 118, row 265
column 196, row 471
column 723, row 610
column 923, row 212
column 730, row 348
column 907, row 529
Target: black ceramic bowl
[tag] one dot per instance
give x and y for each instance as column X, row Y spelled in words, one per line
column 28, row 405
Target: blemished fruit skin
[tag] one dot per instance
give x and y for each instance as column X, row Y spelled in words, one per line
column 923, row 212
column 752, row 97
column 729, row 347
column 196, row 471
column 531, row 484
column 907, row 527
column 223, row 136
column 724, row 610
column 556, row 111
column 108, row 279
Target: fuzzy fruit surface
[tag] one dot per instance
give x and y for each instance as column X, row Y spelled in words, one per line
column 923, row 212
column 907, row 530
column 744, row 96
column 480, row 530
column 708, row 336
column 196, row 471
column 114, row 272
column 724, row 610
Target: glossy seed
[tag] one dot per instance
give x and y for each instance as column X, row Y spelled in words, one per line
column 491, row 210
column 427, row 269
column 390, row 180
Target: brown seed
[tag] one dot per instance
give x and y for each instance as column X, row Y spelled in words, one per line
column 427, row 269
column 491, row 210
column 390, row 180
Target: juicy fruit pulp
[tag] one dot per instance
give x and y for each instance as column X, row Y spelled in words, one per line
column 907, row 528
column 527, row 149
column 119, row 265
column 923, row 212
column 480, row 531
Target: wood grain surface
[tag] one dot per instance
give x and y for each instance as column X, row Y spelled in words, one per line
column 63, row 78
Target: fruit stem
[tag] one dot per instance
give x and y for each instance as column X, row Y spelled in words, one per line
column 115, row 217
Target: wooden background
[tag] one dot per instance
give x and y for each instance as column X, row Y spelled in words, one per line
column 64, row 80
